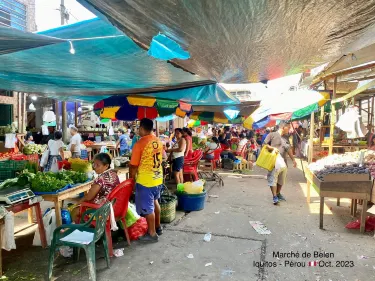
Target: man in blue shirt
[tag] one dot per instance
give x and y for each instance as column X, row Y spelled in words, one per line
column 265, row 135
column 122, row 142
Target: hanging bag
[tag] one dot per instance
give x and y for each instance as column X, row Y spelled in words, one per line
column 44, row 159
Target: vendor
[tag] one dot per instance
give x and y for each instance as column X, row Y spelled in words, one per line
column 187, row 134
column 122, row 142
column 56, row 152
column 75, row 143
column 106, row 181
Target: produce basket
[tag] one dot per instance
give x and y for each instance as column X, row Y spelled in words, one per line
column 167, row 206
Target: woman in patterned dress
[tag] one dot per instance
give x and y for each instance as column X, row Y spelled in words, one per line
column 106, row 181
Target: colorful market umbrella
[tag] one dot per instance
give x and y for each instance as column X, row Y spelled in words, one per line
column 291, row 105
column 196, row 123
column 130, row 108
column 216, row 117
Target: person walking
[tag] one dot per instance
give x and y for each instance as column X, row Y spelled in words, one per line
column 146, row 168
column 56, row 152
column 122, row 142
column 276, row 178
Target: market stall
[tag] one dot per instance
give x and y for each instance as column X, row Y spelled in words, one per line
column 348, row 175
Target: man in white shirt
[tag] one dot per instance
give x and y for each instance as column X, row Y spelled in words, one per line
column 242, row 143
column 75, row 143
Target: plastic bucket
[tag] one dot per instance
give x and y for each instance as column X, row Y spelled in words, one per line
column 191, row 202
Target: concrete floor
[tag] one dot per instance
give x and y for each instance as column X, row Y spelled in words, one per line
column 235, row 245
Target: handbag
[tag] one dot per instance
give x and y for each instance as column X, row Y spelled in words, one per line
column 266, row 159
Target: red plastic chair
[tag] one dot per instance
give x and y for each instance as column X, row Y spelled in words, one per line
column 190, row 169
column 217, row 158
column 121, row 194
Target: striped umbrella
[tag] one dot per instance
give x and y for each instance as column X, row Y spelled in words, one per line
column 130, row 108
column 216, row 117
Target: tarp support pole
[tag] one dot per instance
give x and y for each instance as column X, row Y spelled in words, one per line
column 64, row 123
column 57, row 114
column 333, row 117
column 311, row 140
column 76, row 115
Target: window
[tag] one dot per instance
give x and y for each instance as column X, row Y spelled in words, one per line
column 6, row 114
column 13, row 14
column 6, row 93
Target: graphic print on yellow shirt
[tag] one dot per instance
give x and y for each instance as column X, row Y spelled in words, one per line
column 150, row 170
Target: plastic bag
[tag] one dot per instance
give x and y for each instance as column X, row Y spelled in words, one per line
column 369, row 224
column 266, row 159
column 7, row 233
column 280, row 162
column 138, row 229
column 131, row 216
column 49, row 221
column 44, row 159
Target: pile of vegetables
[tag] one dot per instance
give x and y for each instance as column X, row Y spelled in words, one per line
column 79, row 165
column 34, row 149
column 45, row 182
column 88, row 143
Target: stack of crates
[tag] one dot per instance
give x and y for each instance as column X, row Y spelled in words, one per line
column 9, row 168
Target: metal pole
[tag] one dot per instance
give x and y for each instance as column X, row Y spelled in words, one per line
column 311, row 140
column 333, row 117
column 57, row 112
column 64, row 123
column 76, row 114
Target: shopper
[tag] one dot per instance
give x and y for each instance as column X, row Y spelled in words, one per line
column 178, row 152
column 276, row 178
column 56, row 152
column 146, row 168
column 75, row 143
column 122, row 142
column 268, row 130
column 241, row 144
column 187, row 134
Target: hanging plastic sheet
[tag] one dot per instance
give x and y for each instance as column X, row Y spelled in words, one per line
column 14, row 40
column 236, row 41
column 107, row 63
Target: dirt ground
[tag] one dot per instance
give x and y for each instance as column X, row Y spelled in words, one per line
column 236, row 251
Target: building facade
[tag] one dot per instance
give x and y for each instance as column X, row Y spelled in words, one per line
column 18, row 14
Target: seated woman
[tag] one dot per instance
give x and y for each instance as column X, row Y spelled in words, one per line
column 106, row 181
column 254, row 148
column 211, row 147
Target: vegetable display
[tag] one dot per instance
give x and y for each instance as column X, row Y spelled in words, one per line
column 80, row 165
column 88, row 143
column 34, row 149
column 47, row 182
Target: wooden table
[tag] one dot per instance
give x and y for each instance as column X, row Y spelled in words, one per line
column 341, row 186
column 19, row 207
column 350, row 147
column 58, row 198
column 111, row 147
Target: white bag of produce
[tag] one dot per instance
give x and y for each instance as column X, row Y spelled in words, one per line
column 49, row 221
column 7, row 233
column 280, row 162
column 44, row 159
column 54, row 166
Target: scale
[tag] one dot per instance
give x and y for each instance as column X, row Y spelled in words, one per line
column 15, row 194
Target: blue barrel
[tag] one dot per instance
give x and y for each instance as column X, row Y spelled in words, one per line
column 191, row 202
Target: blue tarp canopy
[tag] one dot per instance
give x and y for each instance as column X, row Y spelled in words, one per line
column 13, row 40
column 106, row 62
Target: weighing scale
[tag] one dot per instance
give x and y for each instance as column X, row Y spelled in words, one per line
column 15, row 194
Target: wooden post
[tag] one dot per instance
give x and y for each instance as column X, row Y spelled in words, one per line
column 64, row 121
column 333, row 117
column 76, row 115
column 311, row 140
column 372, row 112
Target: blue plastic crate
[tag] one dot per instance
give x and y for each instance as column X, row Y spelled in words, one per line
column 84, row 154
column 191, row 202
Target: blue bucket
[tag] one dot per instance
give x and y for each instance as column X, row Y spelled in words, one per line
column 191, row 202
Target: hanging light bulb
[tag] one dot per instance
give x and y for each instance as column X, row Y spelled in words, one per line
column 72, row 50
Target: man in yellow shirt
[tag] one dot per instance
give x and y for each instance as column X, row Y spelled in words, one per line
column 146, row 168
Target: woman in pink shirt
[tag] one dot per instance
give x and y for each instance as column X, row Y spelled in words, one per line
column 189, row 142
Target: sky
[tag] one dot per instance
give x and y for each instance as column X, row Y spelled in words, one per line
column 48, row 15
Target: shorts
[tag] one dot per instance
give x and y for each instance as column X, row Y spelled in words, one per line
column 145, row 197
column 177, row 164
column 76, row 155
column 210, row 156
column 276, row 177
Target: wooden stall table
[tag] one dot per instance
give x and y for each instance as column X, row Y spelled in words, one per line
column 110, row 146
column 67, row 154
column 58, row 198
column 338, row 186
column 19, row 207
column 348, row 147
